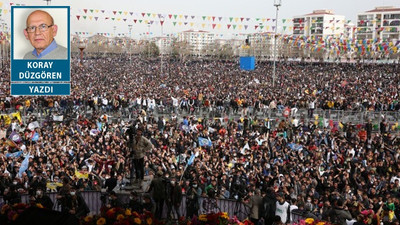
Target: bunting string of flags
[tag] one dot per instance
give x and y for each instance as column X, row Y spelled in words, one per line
column 333, row 44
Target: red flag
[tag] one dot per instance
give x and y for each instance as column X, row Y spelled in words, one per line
column 255, row 27
column 229, row 26
column 162, row 22
column 114, row 12
column 143, row 14
column 85, row 10
column 213, row 26
column 213, row 18
column 78, row 17
column 134, row 20
column 170, row 16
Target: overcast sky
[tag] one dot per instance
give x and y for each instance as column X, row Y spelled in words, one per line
column 198, row 8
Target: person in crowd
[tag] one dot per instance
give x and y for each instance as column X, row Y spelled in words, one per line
column 113, row 200
column 135, row 205
column 174, row 198
column 192, row 200
column 158, row 189
column 74, row 204
column 42, row 198
column 140, row 146
column 255, row 203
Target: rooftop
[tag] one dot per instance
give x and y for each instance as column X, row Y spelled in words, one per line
column 384, row 9
column 321, row 12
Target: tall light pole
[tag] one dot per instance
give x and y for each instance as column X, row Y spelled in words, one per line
column 148, row 39
column 277, row 4
column 130, row 44
column 161, row 45
column 2, row 43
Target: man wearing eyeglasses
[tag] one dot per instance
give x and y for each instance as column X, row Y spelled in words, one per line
column 40, row 31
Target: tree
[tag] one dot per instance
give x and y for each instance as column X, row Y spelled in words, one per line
column 151, row 49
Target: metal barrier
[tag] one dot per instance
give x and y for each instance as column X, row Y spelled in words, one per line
column 92, row 199
column 356, row 117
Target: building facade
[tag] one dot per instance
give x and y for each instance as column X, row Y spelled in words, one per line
column 319, row 24
column 197, row 40
column 380, row 23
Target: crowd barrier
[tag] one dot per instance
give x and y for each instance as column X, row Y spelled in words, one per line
column 93, row 201
column 320, row 115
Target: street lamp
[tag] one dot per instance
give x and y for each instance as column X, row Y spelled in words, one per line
column 162, row 44
column 277, row 4
column 148, row 39
column 130, row 44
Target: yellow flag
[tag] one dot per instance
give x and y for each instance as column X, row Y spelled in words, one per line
column 17, row 115
column 81, row 175
column 53, row 185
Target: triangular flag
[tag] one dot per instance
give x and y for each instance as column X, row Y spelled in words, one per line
column 230, row 19
column 255, row 27
column 174, row 23
column 229, row 26
column 143, row 14
column 148, row 14
column 162, row 22
column 213, row 26
column 96, row 18
column 114, row 12
column 85, row 10
column 220, row 18
column 175, row 16
column 170, row 16
column 78, row 17
column 213, row 18
column 246, row 26
column 193, row 17
column 134, row 20
column 234, row 26
column 204, row 17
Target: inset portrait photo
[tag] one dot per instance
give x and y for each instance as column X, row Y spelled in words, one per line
column 40, row 33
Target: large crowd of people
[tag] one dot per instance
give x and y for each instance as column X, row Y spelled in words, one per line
column 326, row 172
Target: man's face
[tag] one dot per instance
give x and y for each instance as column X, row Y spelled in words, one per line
column 40, row 39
